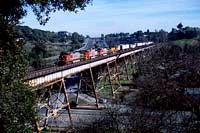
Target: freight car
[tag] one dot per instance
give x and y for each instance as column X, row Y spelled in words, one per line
column 68, row 58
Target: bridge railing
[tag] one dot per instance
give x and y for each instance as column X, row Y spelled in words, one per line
column 51, row 70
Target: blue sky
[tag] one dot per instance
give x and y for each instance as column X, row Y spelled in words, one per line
column 113, row 16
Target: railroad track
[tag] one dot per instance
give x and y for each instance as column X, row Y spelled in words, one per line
column 53, row 69
column 50, row 70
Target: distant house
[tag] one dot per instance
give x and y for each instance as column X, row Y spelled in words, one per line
column 64, row 33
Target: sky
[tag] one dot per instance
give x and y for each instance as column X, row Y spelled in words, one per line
column 114, row 16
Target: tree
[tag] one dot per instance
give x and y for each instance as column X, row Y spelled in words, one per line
column 161, row 102
column 37, row 53
column 164, row 78
column 16, row 99
column 183, row 33
column 180, row 26
column 140, row 36
column 77, row 40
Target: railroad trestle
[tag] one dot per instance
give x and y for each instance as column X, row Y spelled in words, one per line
column 94, row 78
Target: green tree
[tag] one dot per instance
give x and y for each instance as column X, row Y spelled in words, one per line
column 37, row 53
column 77, row 40
column 16, row 99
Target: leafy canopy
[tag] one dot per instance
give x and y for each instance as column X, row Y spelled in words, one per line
column 16, row 99
column 13, row 10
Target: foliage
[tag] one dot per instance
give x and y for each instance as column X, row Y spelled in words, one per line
column 183, row 33
column 42, row 8
column 16, row 99
column 139, row 36
column 76, row 40
column 43, row 44
column 155, row 36
column 164, row 76
column 35, row 56
column 36, row 35
column 13, row 10
column 160, row 102
column 180, row 26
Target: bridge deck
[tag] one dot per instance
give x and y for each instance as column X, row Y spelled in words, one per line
column 48, row 75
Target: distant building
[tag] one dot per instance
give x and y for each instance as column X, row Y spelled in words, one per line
column 64, row 33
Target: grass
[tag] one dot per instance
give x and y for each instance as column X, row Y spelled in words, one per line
column 124, row 81
column 182, row 42
column 106, row 91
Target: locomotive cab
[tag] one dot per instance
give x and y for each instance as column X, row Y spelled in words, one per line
column 86, row 54
column 112, row 50
column 102, row 51
column 64, row 58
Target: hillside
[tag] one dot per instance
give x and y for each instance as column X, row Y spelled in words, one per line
column 37, row 35
column 41, row 45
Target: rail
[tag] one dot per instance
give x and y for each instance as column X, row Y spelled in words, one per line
column 54, row 69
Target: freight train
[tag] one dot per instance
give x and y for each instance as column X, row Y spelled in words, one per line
column 77, row 56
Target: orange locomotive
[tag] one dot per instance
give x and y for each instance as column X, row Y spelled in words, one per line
column 112, row 50
column 86, row 54
column 102, row 51
column 67, row 57
column 73, row 57
column 64, row 58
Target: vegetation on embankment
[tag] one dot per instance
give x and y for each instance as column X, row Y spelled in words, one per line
column 40, row 45
column 17, row 110
column 51, row 44
column 167, row 96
